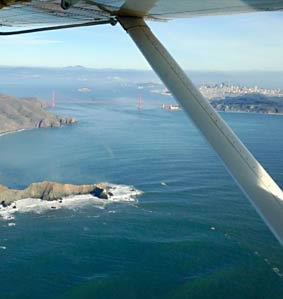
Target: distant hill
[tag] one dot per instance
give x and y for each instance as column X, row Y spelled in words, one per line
column 253, row 103
column 27, row 113
column 73, row 74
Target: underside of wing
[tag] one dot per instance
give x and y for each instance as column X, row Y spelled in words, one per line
column 40, row 12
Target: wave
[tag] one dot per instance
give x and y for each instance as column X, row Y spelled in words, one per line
column 12, row 132
column 118, row 193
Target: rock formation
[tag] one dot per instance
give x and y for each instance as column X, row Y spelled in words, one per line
column 50, row 191
column 27, row 113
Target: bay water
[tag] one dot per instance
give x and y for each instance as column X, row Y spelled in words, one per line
column 190, row 234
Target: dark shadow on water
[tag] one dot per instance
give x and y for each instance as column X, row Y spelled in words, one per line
column 240, row 282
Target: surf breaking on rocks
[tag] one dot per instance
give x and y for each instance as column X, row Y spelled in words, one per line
column 115, row 192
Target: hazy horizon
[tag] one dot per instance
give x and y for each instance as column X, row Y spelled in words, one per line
column 88, row 75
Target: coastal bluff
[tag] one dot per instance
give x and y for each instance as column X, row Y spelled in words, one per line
column 51, row 191
column 27, row 113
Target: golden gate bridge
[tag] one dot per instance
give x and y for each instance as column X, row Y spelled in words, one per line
column 139, row 103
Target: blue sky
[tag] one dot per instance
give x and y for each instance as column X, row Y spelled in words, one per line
column 221, row 43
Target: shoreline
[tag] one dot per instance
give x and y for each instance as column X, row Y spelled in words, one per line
column 11, row 132
column 245, row 112
column 26, row 114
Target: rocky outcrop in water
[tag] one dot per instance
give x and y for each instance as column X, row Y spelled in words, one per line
column 50, row 191
column 27, row 113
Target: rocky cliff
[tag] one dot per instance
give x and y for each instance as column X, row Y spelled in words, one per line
column 27, row 113
column 51, row 191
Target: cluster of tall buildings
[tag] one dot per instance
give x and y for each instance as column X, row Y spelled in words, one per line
column 222, row 90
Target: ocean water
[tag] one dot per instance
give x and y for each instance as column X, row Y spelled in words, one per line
column 190, row 234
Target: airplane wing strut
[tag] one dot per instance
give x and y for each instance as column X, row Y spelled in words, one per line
column 111, row 21
column 263, row 193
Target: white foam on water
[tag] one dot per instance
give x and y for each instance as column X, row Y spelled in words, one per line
column 122, row 192
column 277, row 271
column 118, row 193
column 11, row 132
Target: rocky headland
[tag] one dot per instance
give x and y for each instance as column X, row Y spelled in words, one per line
column 51, row 191
column 27, row 113
column 252, row 103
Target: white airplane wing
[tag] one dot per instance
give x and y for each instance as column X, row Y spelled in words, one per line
column 263, row 193
column 35, row 12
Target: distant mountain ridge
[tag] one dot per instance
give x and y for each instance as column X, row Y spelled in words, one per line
column 27, row 113
column 55, row 75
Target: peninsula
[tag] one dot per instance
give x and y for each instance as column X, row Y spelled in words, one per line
column 253, row 103
column 27, row 113
column 233, row 98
